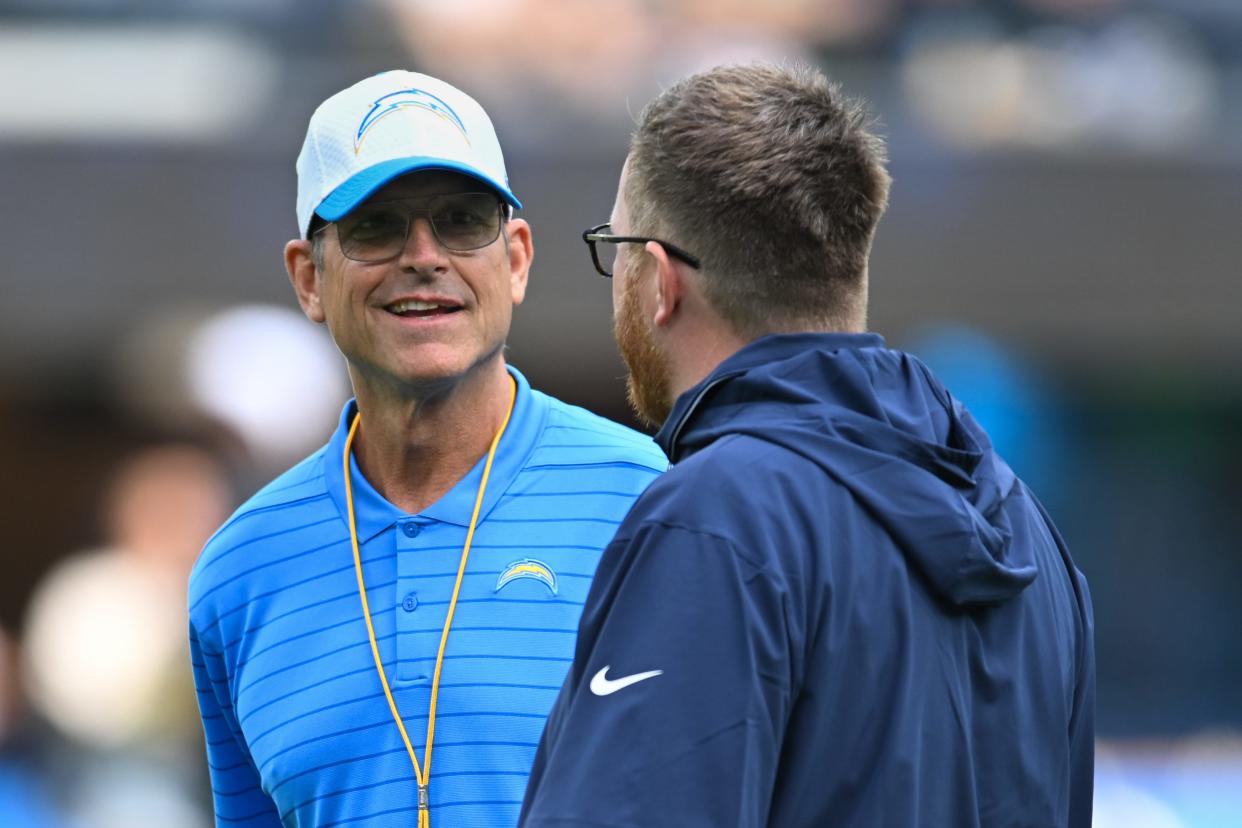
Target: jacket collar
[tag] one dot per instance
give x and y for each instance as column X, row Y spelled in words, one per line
column 764, row 350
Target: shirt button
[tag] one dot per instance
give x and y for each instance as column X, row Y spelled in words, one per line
column 410, row 602
column 411, row 530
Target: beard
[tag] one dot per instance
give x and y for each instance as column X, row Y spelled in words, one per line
column 649, row 383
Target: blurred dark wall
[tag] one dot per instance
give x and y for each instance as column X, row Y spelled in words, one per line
column 1103, row 266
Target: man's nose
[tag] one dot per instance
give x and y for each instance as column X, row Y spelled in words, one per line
column 421, row 243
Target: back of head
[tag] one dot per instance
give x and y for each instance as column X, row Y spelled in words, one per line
column 771, row 177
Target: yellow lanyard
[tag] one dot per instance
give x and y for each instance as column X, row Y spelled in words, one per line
column 421, row 775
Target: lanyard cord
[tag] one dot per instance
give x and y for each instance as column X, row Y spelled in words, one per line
column 421, row 775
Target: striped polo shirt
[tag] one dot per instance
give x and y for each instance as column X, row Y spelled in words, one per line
column 298, row 730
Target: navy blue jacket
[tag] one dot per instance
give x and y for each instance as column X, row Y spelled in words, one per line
column 839, row 608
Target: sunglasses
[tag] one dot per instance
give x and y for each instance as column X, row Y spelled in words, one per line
column 378, row 230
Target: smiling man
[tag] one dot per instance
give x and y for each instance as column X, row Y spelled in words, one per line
column 379, row 633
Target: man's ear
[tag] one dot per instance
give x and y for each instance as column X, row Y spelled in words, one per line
column 520, row 249
column 304, row 275
column 669, row 283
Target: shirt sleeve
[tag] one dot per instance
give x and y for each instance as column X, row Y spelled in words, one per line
column 236, row 791
column 674, row 710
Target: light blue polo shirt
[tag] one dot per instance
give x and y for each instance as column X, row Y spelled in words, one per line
column 298, row 730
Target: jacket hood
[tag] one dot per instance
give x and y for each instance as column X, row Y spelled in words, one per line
column 882, row 426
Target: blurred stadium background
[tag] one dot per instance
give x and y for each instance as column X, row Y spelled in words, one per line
column 1063, row 246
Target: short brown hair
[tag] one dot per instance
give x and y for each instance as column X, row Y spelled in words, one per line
column 771, row 177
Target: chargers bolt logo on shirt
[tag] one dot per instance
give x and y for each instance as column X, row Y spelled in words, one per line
column 527, row 568
column 393, row 101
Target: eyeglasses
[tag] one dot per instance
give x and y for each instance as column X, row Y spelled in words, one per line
column 604, row 264
column 377, row 231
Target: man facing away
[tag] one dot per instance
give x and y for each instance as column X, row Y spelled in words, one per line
column 839, row 607
column 379, row 633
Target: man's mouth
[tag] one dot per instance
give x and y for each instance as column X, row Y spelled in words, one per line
column 418, row 308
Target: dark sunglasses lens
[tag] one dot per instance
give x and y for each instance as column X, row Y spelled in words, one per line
column 372, row 234
column 460, row 221
column 466, row 221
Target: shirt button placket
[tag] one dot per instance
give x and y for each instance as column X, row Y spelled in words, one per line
column 407, row 598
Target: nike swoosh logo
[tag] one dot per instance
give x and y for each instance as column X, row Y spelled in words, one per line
column 601, row 685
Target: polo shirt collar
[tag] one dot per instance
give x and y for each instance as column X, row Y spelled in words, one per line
column 374, row 514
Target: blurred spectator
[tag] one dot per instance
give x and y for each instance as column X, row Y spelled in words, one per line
column 107, row 646
column 106, row 632
column 587, row 57
column 1133, row 81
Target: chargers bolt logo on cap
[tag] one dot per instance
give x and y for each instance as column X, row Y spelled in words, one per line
column 407, row 97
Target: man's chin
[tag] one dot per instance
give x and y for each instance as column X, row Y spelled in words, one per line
column 429, row 373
